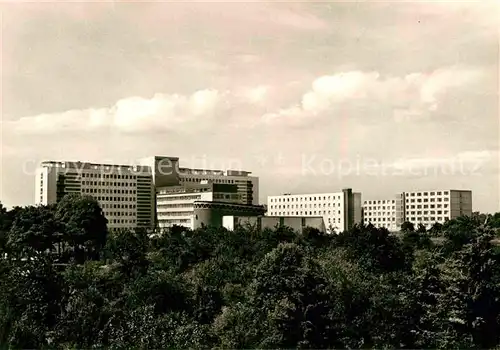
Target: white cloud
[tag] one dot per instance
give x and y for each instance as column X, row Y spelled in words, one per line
column 408, row 96
column 133, row 114
column 359, row 93
column 258, row 94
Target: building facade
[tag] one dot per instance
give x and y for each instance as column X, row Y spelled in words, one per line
column 168, row 172
column 419, row 207
column 125, row 193
column 175, row 204
column 339, row 210
column 139, row 195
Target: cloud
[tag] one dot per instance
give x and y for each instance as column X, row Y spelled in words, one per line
column 256, row 95
column 133, row 115
column 353, row 93
column 407, row 96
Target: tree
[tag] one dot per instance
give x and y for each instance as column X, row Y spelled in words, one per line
column 33, row 303
column 129, row 249
column 289, row 290
column 459, row 232
column 407, row 227
column 436, row 229
column 211, row 288
column 33, row 232
column 419, row 239
column 421, row 228
column 471, row 304
column 84, row 225
column 374, row 248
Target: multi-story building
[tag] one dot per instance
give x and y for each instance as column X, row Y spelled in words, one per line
column 125, row 192
column 340, row 210
column 175, row 204
column 384, row 212
column 128, row 193
column 167, row 172
column 419, row 207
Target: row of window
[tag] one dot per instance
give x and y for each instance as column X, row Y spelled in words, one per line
column 179, row 205
column 297, row 206
column 380, row 219
column 330, row 220
column 220, row 181
column 439, row 212
column 175, row 213
column 118, row 213
column 121, row 221
column 419, row 194
column 427, row 219
column 426, row 200
column 305, row 213
column 382, row 201
column 109, row 176
column 109, row 183
column 300, row 199
column 412, row 194
column 380, row 213
column 116, row 199
column 226, row 196
column 178, row 198
column 384, row 207
column 426, row 206
column 107, row 190
column 118, row 206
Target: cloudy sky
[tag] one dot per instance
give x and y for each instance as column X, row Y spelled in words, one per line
column 311, row 97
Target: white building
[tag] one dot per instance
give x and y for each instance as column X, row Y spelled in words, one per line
column 340, row 210
column 177, row 208
column 128, row 193
column 125, row 193
column 420, row 207
column 168, row 172
column 383, row 213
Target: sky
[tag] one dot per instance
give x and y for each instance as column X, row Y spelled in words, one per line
column 381, row 97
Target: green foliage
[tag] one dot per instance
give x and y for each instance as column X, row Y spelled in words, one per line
column 374, row 248
column 85, row 226
column 67, row 283
column 407, row 227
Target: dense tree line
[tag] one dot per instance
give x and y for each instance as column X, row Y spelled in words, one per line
column 65, row 282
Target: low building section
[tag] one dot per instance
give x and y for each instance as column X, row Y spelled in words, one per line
column 208, row 213
column 193, row 205
column 259, row 223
